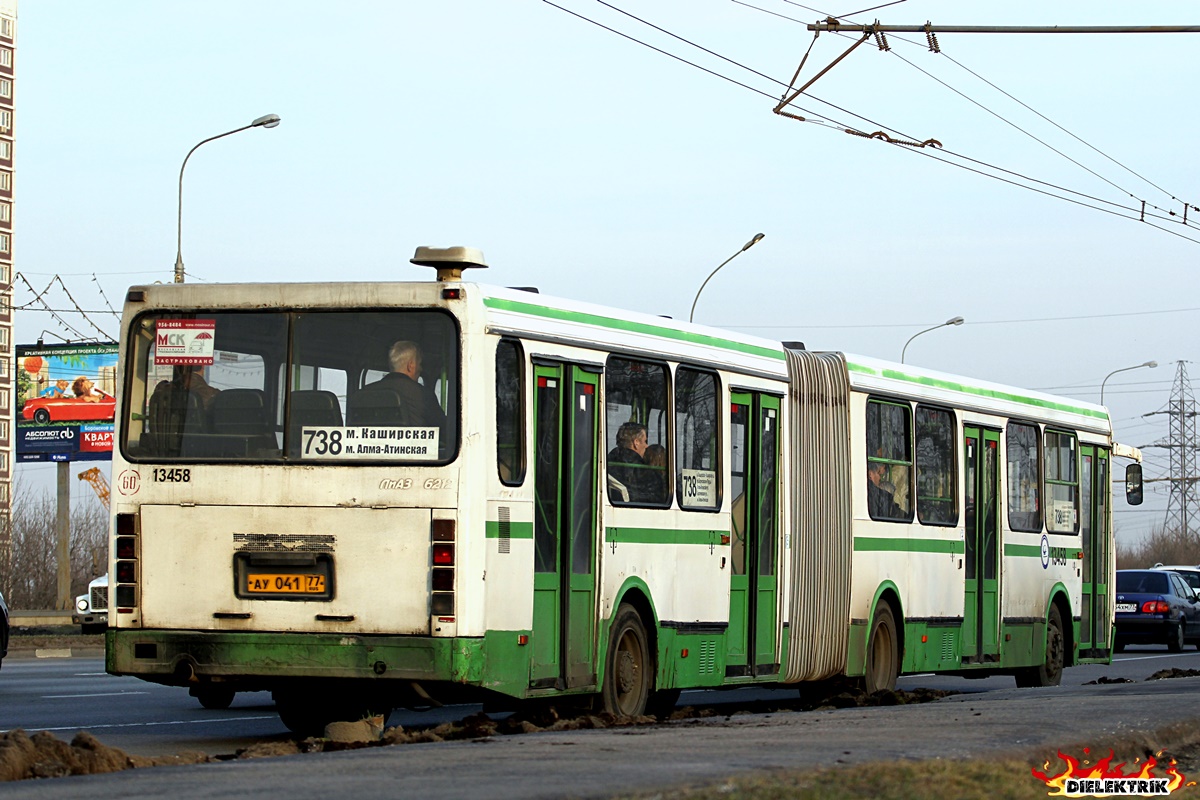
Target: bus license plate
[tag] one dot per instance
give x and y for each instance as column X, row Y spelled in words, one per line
column 274, row 583
column 1127, row 607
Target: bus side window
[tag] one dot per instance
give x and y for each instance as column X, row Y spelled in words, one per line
column 637, row 415
column 1024, row 478
column 510, row 413
column 697, row 440
column 889, row 461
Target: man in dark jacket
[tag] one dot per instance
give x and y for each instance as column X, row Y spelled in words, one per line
column 419, row 406
column 627, row 465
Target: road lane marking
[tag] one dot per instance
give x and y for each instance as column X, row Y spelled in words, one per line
column 147, row 724
column 89, row 674
column 97, row 694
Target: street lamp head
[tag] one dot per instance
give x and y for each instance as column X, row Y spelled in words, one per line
column 955, row 321
column 757, row 238
column 266, row 121
column 1150, row 364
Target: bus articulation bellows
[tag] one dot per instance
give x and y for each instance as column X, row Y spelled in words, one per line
column 366, row 495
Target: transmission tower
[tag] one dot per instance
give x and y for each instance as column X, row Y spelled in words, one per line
column 1183, row 508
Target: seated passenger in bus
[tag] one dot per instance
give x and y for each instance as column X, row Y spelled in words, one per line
column 627, row 465
column 656, row 460
column 179, row 407
column 419, row 407
column 880, row 501
column 189, row 379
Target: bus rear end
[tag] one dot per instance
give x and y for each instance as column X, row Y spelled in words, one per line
column 286, row 500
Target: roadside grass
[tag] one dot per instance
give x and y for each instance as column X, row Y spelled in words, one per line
column 1007, row 776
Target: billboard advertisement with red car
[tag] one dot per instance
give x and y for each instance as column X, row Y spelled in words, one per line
column 66, row 401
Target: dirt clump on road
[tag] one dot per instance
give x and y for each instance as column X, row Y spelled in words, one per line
column 42, row 755
column 1174, row 672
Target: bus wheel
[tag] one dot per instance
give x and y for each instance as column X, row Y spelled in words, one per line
column 1050, row 672
column 883, row 652
column 662, row 704
column 216, row 698
column 629, row 671
column 305, row 714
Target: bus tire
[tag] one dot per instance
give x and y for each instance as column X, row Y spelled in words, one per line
column 307, row 713
column 883, row 652
column 1051, row 669
column 215, row 698
column 628, row 671
column 662, row 703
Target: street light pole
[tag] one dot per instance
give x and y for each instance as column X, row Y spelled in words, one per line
column 1150, row 364
column 951, row 321
column 745, row 247
column 265, row 121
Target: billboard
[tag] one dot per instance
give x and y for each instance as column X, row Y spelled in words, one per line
column 66, row 401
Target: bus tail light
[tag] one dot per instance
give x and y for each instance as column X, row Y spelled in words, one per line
column 441, row 603
column 126, row 572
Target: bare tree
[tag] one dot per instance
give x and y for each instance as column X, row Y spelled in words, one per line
column 29, row 581
column 1162, row 546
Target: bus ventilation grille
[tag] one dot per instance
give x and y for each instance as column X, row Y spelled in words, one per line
column 949, row 647
column 708, row 657
column 505, row 529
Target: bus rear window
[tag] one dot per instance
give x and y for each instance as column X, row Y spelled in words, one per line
column 294, row 386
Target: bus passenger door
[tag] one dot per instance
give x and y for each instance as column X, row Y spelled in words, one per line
column 1094, row 619
column 565, row 429
column 981, row 606
column 751, row 638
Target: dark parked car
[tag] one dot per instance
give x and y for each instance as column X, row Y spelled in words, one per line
column 1155, row 606
column 3, row 629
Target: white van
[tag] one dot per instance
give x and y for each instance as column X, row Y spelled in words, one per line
column 91, row 609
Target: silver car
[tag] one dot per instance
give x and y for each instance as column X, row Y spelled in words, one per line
column 1190, row 574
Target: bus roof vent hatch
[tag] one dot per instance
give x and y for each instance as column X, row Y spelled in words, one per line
column 449, row 261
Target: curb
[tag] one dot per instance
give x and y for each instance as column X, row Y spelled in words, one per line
column 57, row 652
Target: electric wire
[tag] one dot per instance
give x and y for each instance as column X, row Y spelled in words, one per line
column 83, row 313
column 78, row 334
column 103, row 296
column 1073, row 318
column 1010, row 96
column 1131, row 214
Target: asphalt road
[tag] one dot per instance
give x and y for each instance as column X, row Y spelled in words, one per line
column 73, row 694
column 67, row 695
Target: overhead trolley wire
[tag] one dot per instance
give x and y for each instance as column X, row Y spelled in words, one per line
column 1133, row 214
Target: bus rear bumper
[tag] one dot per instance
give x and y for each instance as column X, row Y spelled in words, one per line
column 180, row 658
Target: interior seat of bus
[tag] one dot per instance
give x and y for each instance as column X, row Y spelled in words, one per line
column 374, row 406
column 312, row 408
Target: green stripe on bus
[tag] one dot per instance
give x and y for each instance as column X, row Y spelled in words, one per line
column 631, row 326
column 993, row 394
column 875, row 544
column 516, row 530
column 662, row 536
column 1023, row 550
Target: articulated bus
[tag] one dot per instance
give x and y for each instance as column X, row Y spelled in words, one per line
column 361, row 496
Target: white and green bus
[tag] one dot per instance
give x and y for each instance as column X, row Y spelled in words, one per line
column 366, row 495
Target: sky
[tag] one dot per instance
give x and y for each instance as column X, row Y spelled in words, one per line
column 593, row 167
